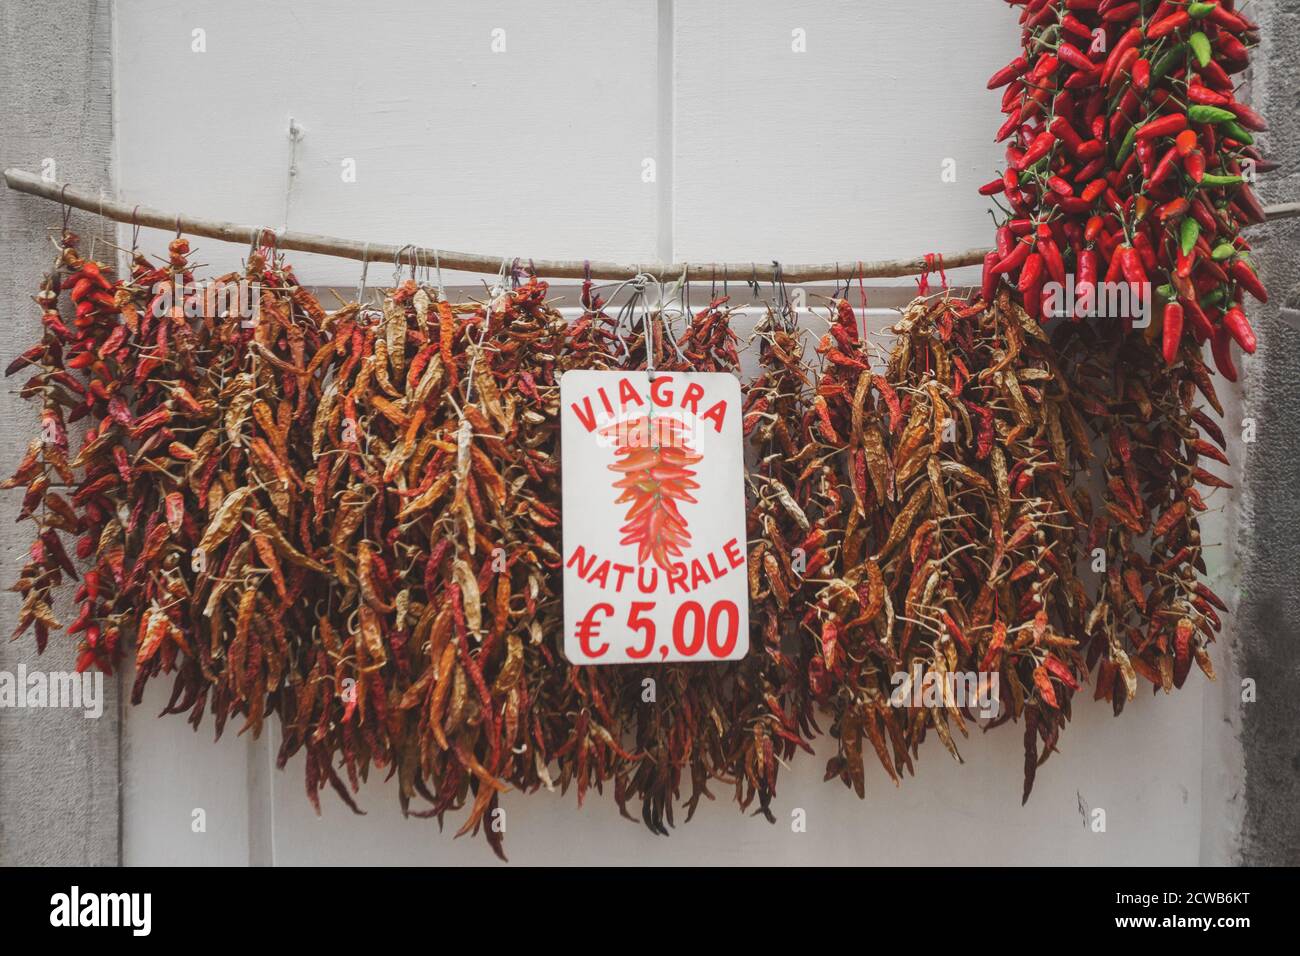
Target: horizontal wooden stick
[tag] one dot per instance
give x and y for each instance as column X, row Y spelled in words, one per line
column 26, row 182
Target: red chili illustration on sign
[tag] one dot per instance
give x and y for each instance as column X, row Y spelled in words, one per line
column 653, row 517
column 654, row 460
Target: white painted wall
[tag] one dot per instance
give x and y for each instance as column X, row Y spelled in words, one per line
column 761, row 153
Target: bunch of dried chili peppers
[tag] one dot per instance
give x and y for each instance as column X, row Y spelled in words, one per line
column 1130, row 160
column 945, row 481
column 350, row 519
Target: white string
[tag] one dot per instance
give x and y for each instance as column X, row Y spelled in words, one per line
column 487, row 320
column 365, row 267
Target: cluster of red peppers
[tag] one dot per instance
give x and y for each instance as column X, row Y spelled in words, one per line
column 1129, row 165
column 350, row 519
column 1129, row 160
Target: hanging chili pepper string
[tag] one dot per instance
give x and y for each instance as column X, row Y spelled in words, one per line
column 350, row 520
column 852, row 435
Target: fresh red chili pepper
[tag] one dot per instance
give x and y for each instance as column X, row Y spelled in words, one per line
column 1238, row 326
column 1221, row 350
column 1129, row 40
column 1141, row 73
column 1172, row 332
column 1164, row 126
column 1060, row 126
column 1167, row 164
column 1031, row 273
column 989, row 279
column 1175, row 209
column 1196, row 93
column 1248, row 117
column 1072, row 55
column 1131, row 264
column 1245, row 276
column 1040, row 147
column 1175, row 21
column 1014, row 260
column 1002, row 77
column 1087, row 283
column 1059, row 186
column 1192, row 311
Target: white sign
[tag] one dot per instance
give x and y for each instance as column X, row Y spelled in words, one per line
column 654, row 517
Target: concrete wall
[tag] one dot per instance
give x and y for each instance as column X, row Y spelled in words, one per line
column 760, row 152
column 58, row 770
column 1269, row 608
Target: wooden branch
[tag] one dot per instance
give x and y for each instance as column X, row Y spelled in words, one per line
column 26, row 182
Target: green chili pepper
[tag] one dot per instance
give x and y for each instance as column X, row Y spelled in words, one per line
column 1223, row 252
column 1213, row 298
column 1126, row 146
column 1213, row 179
column 1033, row 172
column 1048, row 37
column 1198, row 11
column 1202, row 113
column 1237, row 132
column 1201, row 47
column 1166, row 292
column 1170, row 59
column 1189, row 233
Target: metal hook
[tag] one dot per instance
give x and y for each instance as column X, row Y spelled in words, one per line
column 135, row 230
column 684, row 292
column 67, row 210
column 499, row 287
column 625, row 313
column 789, row 314
column 397, row 263
column 642, row 281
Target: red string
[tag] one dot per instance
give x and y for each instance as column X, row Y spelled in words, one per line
column 923, row 283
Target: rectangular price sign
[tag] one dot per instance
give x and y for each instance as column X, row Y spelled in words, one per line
column 654, row 517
